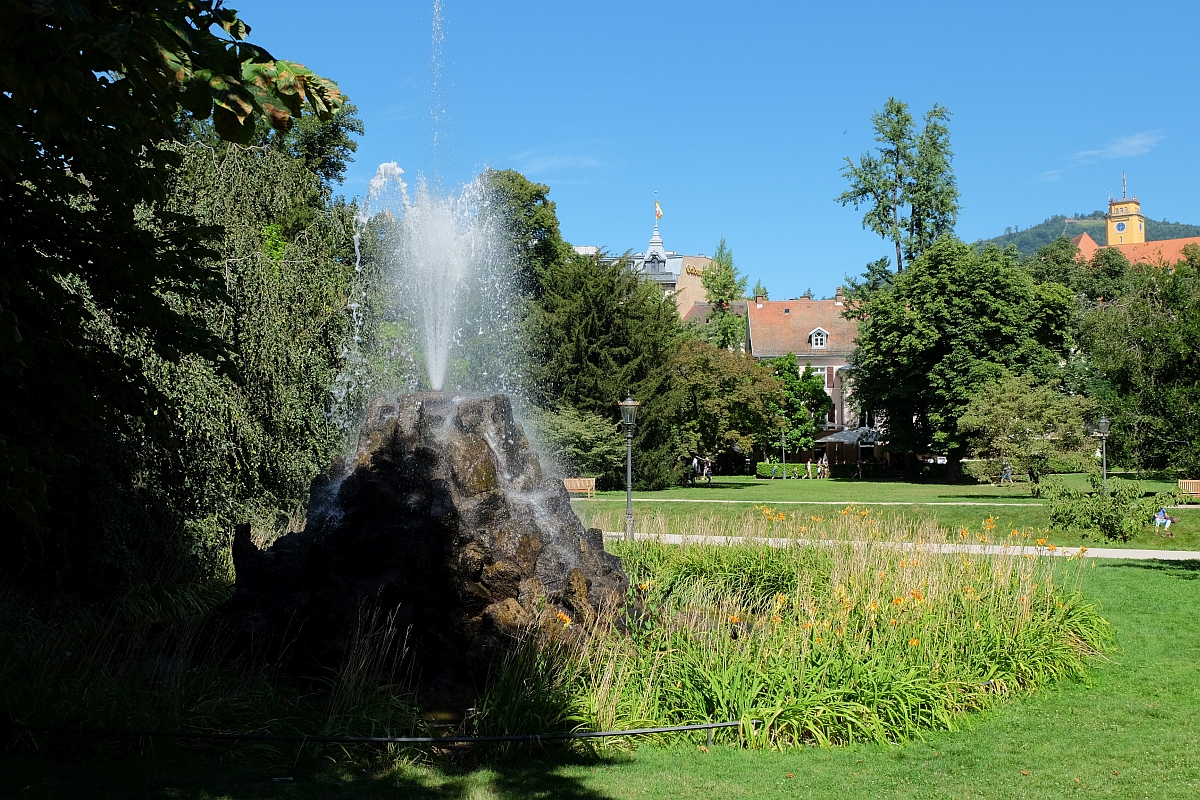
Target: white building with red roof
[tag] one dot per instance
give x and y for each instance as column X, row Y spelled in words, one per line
column 817, row 333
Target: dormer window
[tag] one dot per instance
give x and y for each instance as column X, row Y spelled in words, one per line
column 818, row 338
column 787, row 311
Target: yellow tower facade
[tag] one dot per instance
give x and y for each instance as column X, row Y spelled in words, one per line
column 1126, row 225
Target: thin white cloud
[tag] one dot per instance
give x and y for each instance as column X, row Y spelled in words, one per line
column 533, row 163
column 1135, row 144
column 1051, row 175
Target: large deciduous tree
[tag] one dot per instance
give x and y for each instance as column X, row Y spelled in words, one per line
column 1142, row 349
column 908, row 185
column 94, row 253
column 726, row 400
column 1016, row 421
column 803, row 402
column 953, row 321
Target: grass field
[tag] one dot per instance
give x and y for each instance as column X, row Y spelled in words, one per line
column 1133, row 730
column 952, row 506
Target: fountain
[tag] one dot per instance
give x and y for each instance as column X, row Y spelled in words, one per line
column 441, row 519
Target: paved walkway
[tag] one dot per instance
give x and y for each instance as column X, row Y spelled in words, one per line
column 977, row 549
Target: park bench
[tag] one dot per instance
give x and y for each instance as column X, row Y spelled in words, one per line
column 1189, row 487
column 581, row 486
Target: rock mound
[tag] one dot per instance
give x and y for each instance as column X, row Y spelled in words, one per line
column 446, row 520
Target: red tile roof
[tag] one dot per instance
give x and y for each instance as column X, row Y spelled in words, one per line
column 1162, row 252
column 779, row 327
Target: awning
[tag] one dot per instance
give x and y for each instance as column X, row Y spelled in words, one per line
column 861, row 436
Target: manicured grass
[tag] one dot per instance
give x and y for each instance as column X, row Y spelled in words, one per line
column 757, row 490
column 1132, row 731
column 1013, row 506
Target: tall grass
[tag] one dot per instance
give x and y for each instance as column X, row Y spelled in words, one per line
column 837, row 636
column 131, row 668
column 849, row 639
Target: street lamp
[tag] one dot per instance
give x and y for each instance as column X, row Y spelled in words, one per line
column 1102, row 427
column 629, row 409
column 783, row 448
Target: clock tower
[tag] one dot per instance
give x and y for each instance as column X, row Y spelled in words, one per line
column 1125, row 223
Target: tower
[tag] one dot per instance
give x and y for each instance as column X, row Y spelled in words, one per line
column 1125, row 223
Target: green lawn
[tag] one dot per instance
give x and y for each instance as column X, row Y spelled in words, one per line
column 757, row 490
column 1133, row 731
column 1010, row 507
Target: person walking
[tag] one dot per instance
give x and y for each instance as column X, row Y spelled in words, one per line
column 808, row 468
column 708, row 470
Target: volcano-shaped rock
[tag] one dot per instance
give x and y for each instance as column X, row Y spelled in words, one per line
column 446, row 519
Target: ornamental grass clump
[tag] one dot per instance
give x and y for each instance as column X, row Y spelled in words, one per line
column 849, row 638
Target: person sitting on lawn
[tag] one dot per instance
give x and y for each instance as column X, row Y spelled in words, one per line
column 1163, row 520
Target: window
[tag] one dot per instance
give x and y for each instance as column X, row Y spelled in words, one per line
column 829, row 377
column 787, row 311
column 818, row 338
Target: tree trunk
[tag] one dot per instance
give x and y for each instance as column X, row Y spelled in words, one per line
column 953, row 469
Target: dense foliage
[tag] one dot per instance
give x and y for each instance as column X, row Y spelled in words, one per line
column 802, row 405
column 907, row 186
column 1141, row 347
column 723, row 286
column 104, row 279
column 938, row 332
column 597, row 333
column 1015, row 422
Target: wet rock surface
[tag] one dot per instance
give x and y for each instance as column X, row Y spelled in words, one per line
column 446, row 521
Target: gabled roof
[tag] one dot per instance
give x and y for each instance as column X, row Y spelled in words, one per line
column 699, row 312
column 779, row 327
column 1086, row 244
column 1164, row 251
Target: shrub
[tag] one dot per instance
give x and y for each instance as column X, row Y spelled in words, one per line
column 852, row 639
column 1115, row 513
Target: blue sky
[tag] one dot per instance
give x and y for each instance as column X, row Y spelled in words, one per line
column 740, row 114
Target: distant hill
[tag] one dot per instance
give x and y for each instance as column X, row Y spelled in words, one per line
column 1030, row 239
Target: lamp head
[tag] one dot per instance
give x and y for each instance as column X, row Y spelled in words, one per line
column 629, row 409
column 1103, row 426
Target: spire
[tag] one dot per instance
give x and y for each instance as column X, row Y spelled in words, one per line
column 656, row 244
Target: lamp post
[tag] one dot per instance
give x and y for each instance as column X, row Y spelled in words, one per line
column 1102, row 427
column 629, row 408
column 783, row 448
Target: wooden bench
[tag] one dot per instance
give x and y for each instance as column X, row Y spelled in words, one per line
column 1189, row 487
column 581, row 486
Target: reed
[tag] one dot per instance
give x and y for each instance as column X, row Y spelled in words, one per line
column 835, row 638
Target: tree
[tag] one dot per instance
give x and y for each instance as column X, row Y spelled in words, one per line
column 759, row 290
column 1056, row 262
column 598, row 332
column 1141, row 348
column 727, row 400
column 802, row 404
column 583, row 444
column 531, row 224
column 724, row 284
column 1017, row 422
column 93, row 257
column 908, row 188
column 952, row 322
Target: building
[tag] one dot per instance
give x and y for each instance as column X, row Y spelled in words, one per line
column 817, row 333
column 678, row 275
column 1125, row 230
